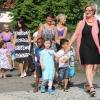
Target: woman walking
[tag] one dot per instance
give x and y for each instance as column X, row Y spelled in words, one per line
column 86, row 33
column 22, row 46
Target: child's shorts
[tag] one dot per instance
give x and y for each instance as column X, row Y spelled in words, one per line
column 38, row 71
column 63, row 73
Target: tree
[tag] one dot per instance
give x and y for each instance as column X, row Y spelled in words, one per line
column 34, row 11
column 98, row 6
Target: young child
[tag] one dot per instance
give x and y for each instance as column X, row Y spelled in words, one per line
column 47, row 65
column 40, row 46
column 64, row 57
column 4, row 60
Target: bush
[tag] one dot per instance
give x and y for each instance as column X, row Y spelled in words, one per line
column 34, row 11
column 71, row 28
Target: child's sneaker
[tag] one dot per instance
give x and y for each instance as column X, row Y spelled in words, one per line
column 24, row 74
column 50, row 91
column 43, row 89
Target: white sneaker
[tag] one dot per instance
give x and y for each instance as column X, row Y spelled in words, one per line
column 24, row 74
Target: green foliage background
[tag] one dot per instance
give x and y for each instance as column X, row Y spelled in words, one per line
column 34, row 11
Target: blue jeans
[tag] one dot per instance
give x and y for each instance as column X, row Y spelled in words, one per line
column 63, row 73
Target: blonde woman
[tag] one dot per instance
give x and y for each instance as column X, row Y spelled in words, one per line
column 88, row 45
column 61, row 29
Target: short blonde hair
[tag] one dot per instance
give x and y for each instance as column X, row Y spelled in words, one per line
column 61, row 18
column 92, row 5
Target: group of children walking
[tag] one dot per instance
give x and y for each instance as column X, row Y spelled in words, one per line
column 49, row 65
column 46, row 60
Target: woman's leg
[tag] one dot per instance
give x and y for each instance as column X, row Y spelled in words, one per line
column 13, row 64
column 21, row 65
column 94, row 69
column 25, row 64
column 89, row 74
column 87, row 86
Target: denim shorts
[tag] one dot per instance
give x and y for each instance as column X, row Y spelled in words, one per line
column 63, row 73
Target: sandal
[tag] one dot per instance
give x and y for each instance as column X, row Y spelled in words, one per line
column 65, row 90
column 92, row 92
column 87, row 88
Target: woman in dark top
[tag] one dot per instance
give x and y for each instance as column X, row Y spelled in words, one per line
column 22, row 45
column 86, row 33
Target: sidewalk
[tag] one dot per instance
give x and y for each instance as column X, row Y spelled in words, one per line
column 15, row 88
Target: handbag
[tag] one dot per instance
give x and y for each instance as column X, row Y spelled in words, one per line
column 71, row 71
column 71, row 65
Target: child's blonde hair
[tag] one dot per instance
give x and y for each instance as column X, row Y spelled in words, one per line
column 61, row 18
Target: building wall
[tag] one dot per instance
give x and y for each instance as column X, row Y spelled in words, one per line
column 5, row 17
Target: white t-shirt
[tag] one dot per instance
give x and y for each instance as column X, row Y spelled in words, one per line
column 63, row 60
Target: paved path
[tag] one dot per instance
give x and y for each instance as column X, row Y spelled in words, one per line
column 15, row 88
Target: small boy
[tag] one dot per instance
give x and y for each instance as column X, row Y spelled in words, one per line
column 64, row 57
column 40, row 46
